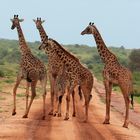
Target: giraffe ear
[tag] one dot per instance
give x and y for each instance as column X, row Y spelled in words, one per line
column 11, row 20
column 20, row 20
column 42, row 21
column 34, row 20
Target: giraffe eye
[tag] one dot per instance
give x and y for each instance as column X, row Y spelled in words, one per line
column 88, row 29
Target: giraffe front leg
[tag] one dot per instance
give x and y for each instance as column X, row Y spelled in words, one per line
column 19, row 78
column 86, row 110
column 27, row 94
column 108, row 88
column 52, row 104
column 59, row 105
column 67, row 106
column 73, row 100
column 43, row 84
column 52, row 82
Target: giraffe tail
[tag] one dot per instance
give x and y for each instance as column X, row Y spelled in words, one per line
column 80, row 92
column 132, row 95
column 132, row 99
column 28, row 79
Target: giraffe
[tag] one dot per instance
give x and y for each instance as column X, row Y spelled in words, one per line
column 113, row 73
column 55, row 67
column 76, row 73
column 31, row 69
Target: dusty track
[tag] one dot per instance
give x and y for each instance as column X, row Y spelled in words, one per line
column 55, row 128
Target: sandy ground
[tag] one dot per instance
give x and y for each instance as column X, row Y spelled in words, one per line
column 55, row 128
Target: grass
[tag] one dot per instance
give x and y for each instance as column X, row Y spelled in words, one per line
column 137, row 99
column 21, row 95
column 9, row 81
column 2, row 98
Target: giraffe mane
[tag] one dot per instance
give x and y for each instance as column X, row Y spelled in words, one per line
column 68, row 53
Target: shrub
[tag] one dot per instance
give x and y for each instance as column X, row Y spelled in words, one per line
column 1, row 73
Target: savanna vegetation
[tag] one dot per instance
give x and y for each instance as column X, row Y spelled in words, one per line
column 10, row 57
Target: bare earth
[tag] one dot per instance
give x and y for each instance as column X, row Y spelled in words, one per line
column 55, row 128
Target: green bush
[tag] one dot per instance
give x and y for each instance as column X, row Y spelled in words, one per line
column 1, row 73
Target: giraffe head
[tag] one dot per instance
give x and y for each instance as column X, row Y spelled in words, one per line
column 38, row 22
column 15, row 21
column 90, row 29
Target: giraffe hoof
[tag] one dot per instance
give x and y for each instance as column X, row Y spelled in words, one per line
column 66, row 118
column 14, row 113
column 54, row 114
column 84, row 121
column 106, row 122
column 73, row 115
column 126, row 124
column 25, row 116
column 50, row 113
column 59, row 115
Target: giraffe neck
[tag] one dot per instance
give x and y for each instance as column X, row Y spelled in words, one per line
column 105, row 54
column 22, row 43
column 42, row 33
column 63, row 53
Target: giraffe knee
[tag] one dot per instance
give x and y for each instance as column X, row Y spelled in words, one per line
column 33, row 95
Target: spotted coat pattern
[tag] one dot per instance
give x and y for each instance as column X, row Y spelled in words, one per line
column 113, row 73
column 76, row 73
column 31, row 69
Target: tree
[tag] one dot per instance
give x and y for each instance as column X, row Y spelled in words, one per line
column 134, row 57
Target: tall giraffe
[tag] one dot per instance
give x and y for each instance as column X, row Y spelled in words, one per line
column 31, row 69
column 75, row 72
column 55, row 67
column 113, row 73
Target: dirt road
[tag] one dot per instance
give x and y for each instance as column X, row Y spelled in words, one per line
column 55, row 128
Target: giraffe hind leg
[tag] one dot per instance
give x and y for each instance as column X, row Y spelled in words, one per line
column 126, row 99
column 86, row 89
column 43, row 84
column 33, row 91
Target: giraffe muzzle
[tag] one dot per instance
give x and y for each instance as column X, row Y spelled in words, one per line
column 82, row 33
column 12, row 27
